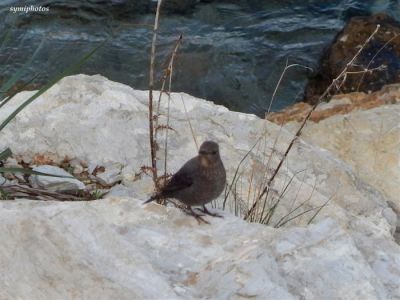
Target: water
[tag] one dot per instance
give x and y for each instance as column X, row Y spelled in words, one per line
column 233, row 52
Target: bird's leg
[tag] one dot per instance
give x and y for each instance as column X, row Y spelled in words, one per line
column 197, row 216
column 207, row 212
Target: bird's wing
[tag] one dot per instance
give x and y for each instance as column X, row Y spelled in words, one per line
column 179, row 181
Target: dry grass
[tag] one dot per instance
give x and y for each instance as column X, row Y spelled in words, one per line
column 263, row 197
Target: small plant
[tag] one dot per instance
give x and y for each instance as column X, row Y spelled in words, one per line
column 96, row 194
column 4, row 195
column 154, row 126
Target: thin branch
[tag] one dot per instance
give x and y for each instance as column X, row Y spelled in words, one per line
column 151, row 86
column 299, row 206
column 302, row 213
column 287, row 67
column 19, row 191
column 319, row 210
column 271, row 212
column 373, row 57
column 238, row 167
column 170, row 73
column 190, row 123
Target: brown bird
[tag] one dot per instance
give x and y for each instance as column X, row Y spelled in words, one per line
column 199, row 181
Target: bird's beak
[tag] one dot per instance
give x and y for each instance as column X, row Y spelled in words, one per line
column 204, row 161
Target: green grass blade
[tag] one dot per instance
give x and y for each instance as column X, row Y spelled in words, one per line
column 4, row 101
column 66, row 72
column 5, row 38
column 29, row 172
column 17, row 75
column 5, row 154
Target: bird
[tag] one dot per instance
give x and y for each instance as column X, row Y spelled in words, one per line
column 199, row 181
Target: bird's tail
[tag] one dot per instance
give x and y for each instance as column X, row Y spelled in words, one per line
column 152, row 198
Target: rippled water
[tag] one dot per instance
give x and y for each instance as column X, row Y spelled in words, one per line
column 233, row 52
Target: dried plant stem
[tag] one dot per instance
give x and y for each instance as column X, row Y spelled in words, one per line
column 170, row 74
column 19, row 191
column 190, row 123
column 318, row 210
column 380, row 68
column 336, row 83
column 269, row 214
column 373, row 57
column 287, row 67
column 151, row 87
column 261, row 187
column 282, row 220
column 164, row 80
column 235, row 176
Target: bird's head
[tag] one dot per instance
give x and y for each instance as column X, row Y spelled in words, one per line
column 209, row 153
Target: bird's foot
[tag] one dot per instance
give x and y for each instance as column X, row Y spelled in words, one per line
column 199, row 217
column 207, row 212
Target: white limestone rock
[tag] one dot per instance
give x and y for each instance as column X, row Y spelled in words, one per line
column 366, row 140
column 120, row 190
column 107, row 124
column 118, row 249
column 56, row 184
column 131, row 251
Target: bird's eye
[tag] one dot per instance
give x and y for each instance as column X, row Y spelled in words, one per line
column 207, row 153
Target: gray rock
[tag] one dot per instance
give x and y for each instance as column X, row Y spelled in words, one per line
column 3, row 181
column 57, row 184
column 78, row 169
column 111, row 175
column 76, row 166
column 12, row 163
column 91, row 168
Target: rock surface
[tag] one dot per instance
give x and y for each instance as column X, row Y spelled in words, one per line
column 12, row 163
column 368, row 141
column 111, row 175
column 118, row 249
column 131, row 251
column 107, row 124
column 338, row 105
column 55, row 184
column 3, row 181
column 382, row 51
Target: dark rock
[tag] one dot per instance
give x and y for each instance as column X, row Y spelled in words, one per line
column 383, row 52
